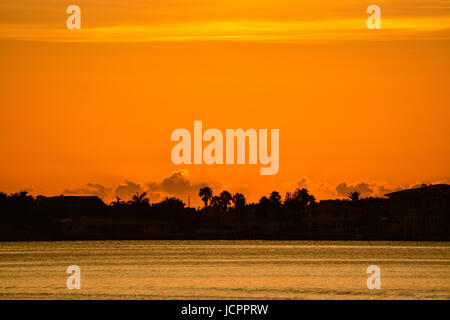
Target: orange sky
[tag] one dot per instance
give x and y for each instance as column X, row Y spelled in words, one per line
column 356, row 108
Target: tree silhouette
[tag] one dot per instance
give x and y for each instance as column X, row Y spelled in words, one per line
column 216, row 203
column 354, row 196
column 265, row 202
column 239, row 201
column 117, row 203
column 299, row 200
column 225, row 199
column 275, row 197
column 22, row 196
column 139, row 200
column 206, row 194
column 172, row 203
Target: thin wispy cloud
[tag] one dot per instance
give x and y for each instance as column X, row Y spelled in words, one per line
column 218, row 20
column 235, row 30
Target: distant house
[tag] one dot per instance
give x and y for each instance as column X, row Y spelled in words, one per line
column 72, row 206
column 334, row 218
column 421, row 212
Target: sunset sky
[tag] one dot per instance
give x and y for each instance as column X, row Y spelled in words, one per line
column 91, row 111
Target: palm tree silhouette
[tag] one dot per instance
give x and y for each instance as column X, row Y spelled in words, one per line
column 225, row 199
column 238, row 200
column 216, row 203
column 206, row 194
column 139, row 200
column 117, row 203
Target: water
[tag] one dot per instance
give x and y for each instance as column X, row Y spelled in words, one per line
column 224, row 270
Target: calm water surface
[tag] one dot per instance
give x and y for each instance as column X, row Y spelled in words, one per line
column 224, row 270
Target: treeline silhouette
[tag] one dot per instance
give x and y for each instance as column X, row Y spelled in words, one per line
column 42, row 216
column 410, row 214
column 21, row 207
